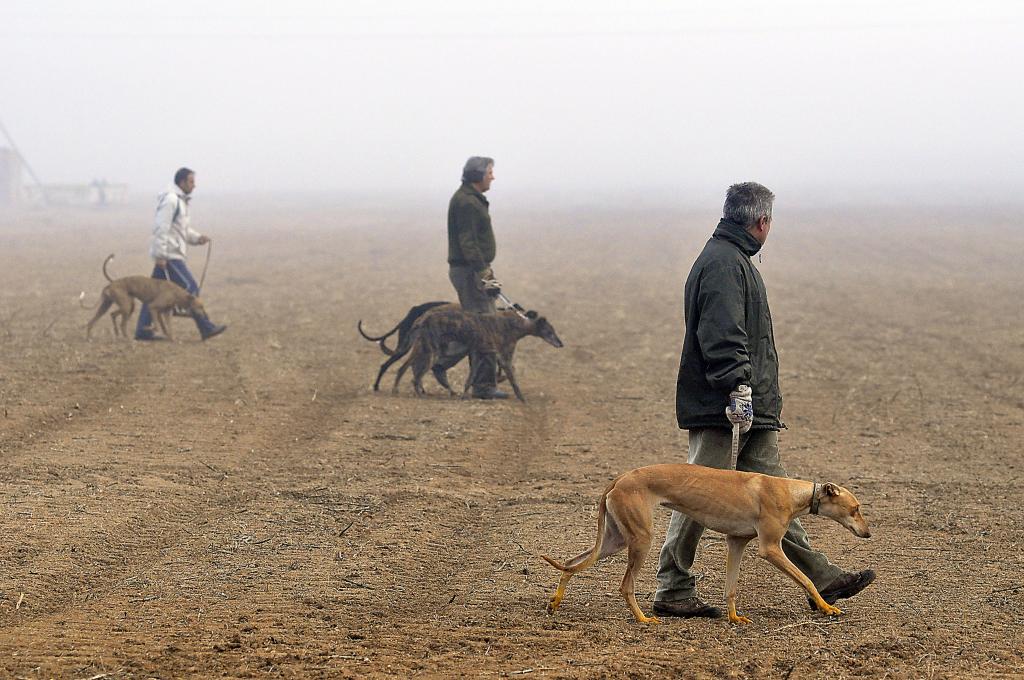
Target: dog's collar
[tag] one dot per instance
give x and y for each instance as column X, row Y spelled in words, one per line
column 815, row 498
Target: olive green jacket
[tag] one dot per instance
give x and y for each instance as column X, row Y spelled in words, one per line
column 470, row 237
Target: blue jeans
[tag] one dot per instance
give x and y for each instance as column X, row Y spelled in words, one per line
column 183, row 277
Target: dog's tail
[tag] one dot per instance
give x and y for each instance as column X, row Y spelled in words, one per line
column 109, row 258
column 380, row 340
column 587, row 559
column 402, row 328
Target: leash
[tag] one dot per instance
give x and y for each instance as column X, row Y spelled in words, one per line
column 206, row 265
column 517, row 308
column 735, row 441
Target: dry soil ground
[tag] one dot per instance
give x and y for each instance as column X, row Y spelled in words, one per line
column 249, row 507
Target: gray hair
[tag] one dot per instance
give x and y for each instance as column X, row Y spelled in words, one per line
column 747, row 202
column 475, row 168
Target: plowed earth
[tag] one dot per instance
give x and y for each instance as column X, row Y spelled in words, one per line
column 249, row 507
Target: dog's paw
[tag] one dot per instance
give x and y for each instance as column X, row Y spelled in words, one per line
column 736, row 618
column 831, row 610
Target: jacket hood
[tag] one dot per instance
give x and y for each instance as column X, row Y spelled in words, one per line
column 736, row 234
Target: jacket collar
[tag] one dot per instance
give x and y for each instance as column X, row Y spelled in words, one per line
column 736, row 234
column 176, row 190
column 471, row 190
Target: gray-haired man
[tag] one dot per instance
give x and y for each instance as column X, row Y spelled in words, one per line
column 471, row 250
column 729, row 364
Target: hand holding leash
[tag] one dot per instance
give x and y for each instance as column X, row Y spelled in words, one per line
column 740, row 410
column 491, row 287
column 488, row 284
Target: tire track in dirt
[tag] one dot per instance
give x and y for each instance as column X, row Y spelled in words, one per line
column 86, row 382
column 126, row 515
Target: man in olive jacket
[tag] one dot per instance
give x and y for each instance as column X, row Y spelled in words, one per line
column 729, row 358
column 471, row 251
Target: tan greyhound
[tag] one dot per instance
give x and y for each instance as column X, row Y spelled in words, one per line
column 741, row 505
column 161, row 295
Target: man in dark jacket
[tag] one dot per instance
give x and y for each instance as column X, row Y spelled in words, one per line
column 729, row 373
column 471, row 251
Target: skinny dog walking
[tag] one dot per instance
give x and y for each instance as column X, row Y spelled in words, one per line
column 494, row 334
column 741, row 505
column 162, row 297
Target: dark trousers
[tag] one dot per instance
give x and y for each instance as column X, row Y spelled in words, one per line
column 183, row 277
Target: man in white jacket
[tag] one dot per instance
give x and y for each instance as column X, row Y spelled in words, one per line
column 171, row 233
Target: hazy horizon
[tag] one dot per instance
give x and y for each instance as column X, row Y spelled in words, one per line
column 881, row 101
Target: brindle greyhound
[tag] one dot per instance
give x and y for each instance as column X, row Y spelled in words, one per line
column 161, row 295
column 482, row 333
column 741, row 505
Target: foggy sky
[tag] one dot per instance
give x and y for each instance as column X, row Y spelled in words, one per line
column 668, row 99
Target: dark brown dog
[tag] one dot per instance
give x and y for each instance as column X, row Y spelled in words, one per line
column 482, row 333
column 161, row 295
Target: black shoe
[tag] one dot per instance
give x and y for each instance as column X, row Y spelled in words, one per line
column 148, row 337
column 687, row 608
column 489, row 393
column 845, row 585
column 214, row 332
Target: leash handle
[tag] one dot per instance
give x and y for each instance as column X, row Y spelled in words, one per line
column 202, row 278
column 735, row 441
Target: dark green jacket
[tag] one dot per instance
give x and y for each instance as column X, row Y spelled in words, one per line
column 470, row 237
column 729, row 338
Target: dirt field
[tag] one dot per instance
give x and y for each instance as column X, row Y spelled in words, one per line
column 249, row 507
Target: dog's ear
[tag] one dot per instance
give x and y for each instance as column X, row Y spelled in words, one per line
column 830, row 489
column 531, row 314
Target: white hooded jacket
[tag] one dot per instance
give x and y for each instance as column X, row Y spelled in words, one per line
column 171, row 229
